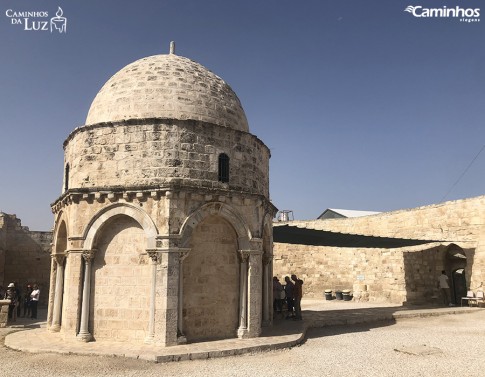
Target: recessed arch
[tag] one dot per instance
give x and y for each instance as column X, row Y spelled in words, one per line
column 138, row 214
column 223, row 210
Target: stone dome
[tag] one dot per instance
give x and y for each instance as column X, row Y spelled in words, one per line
column 168, row 86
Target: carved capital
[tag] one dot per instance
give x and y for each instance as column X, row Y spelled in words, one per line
column 244, row 255
column 59, row 258
column 183, row 253
column 267, row 258
column 154, row 255
column 88, row 255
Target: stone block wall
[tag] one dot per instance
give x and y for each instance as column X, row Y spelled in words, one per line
column 455, row 221
column 211, row 282
column 379, row 275
column 4, row 312
column 460, row 221
column 153, row 152
column 3, row 247
column 26, row 256
column 121, row 283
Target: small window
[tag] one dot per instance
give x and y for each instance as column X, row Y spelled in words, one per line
column 223, row 167
column 66, row 178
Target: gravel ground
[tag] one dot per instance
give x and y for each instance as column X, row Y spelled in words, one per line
column 367, row 350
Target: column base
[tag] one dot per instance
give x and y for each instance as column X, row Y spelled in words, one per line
column 242, row 333
column 149, row 339
column 55, row 328
column 84, row 337
column 181, row 339
column 267, row 323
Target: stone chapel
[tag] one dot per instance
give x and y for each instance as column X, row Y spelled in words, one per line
column 163, row 230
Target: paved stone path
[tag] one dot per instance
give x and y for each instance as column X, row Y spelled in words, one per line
column 33, row 337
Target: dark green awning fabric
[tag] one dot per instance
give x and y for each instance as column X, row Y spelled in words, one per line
column 301, row 236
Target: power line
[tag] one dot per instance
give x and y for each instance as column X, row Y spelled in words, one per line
column 462, row 174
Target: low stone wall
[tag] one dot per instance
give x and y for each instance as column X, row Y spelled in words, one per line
column 456, row 221
column 461, row 222
column 4, row 312
column 378, row 275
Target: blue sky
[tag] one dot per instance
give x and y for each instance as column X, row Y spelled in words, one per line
column 363, row 105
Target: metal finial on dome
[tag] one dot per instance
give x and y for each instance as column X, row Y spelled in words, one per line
column 172, row 47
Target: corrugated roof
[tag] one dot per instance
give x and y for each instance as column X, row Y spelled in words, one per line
column 349, row 212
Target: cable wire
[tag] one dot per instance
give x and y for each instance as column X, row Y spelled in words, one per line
column 462, row 174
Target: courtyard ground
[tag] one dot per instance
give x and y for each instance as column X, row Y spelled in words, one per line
column 444, row 345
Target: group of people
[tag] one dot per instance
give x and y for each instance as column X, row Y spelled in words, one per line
column 291, row 293
column 19, row 300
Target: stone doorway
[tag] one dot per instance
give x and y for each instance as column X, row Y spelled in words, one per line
column 459, row 285
column 456, row 263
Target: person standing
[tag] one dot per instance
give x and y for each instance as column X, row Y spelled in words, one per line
column 444, row 288
column 277, row 292
column 27, row 311
column 290, row 300
column 34, row 301
column 11, row 295
column 297, row 294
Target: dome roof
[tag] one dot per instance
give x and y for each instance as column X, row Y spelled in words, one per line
column 167, row 86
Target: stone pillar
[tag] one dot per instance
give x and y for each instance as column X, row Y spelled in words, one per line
column 254, row 293
column 267, row 304
column 153, row 290
column 84, row 334
column 181, row 338
column 242, row 331
column 166, row 308
column 56, row 316
column 52, row 283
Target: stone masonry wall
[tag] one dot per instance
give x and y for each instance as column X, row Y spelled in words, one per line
column 379, row 275
column 152, row 153
column 211, row 282
column 121, row 283
column 454, row 221
column 27, row 256
column 3, row 247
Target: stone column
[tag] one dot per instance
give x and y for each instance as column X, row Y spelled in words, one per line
column 181, row 339
column 242, row 331
column 52, row 283
column 56, row 316
column 84, row 334
column 254, row 294
column 267, row 305
column 151, row 321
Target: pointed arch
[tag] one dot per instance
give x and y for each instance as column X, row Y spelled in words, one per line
column 220, row 209
column 138, row 214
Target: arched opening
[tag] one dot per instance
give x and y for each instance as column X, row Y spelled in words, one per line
column 66, row 177
column 120, row 281
column 266, row 281
column 61, row 247
column 223, row 168
column 456, row 263
column 211, row 281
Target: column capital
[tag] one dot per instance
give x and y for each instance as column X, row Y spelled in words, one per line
column 88, row 255
column 183, row 253
column 154, row 255
column 244, row 254
column 58, row 257
column 267, row 258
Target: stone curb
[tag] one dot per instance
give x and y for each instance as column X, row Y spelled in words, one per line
column 223, row 351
